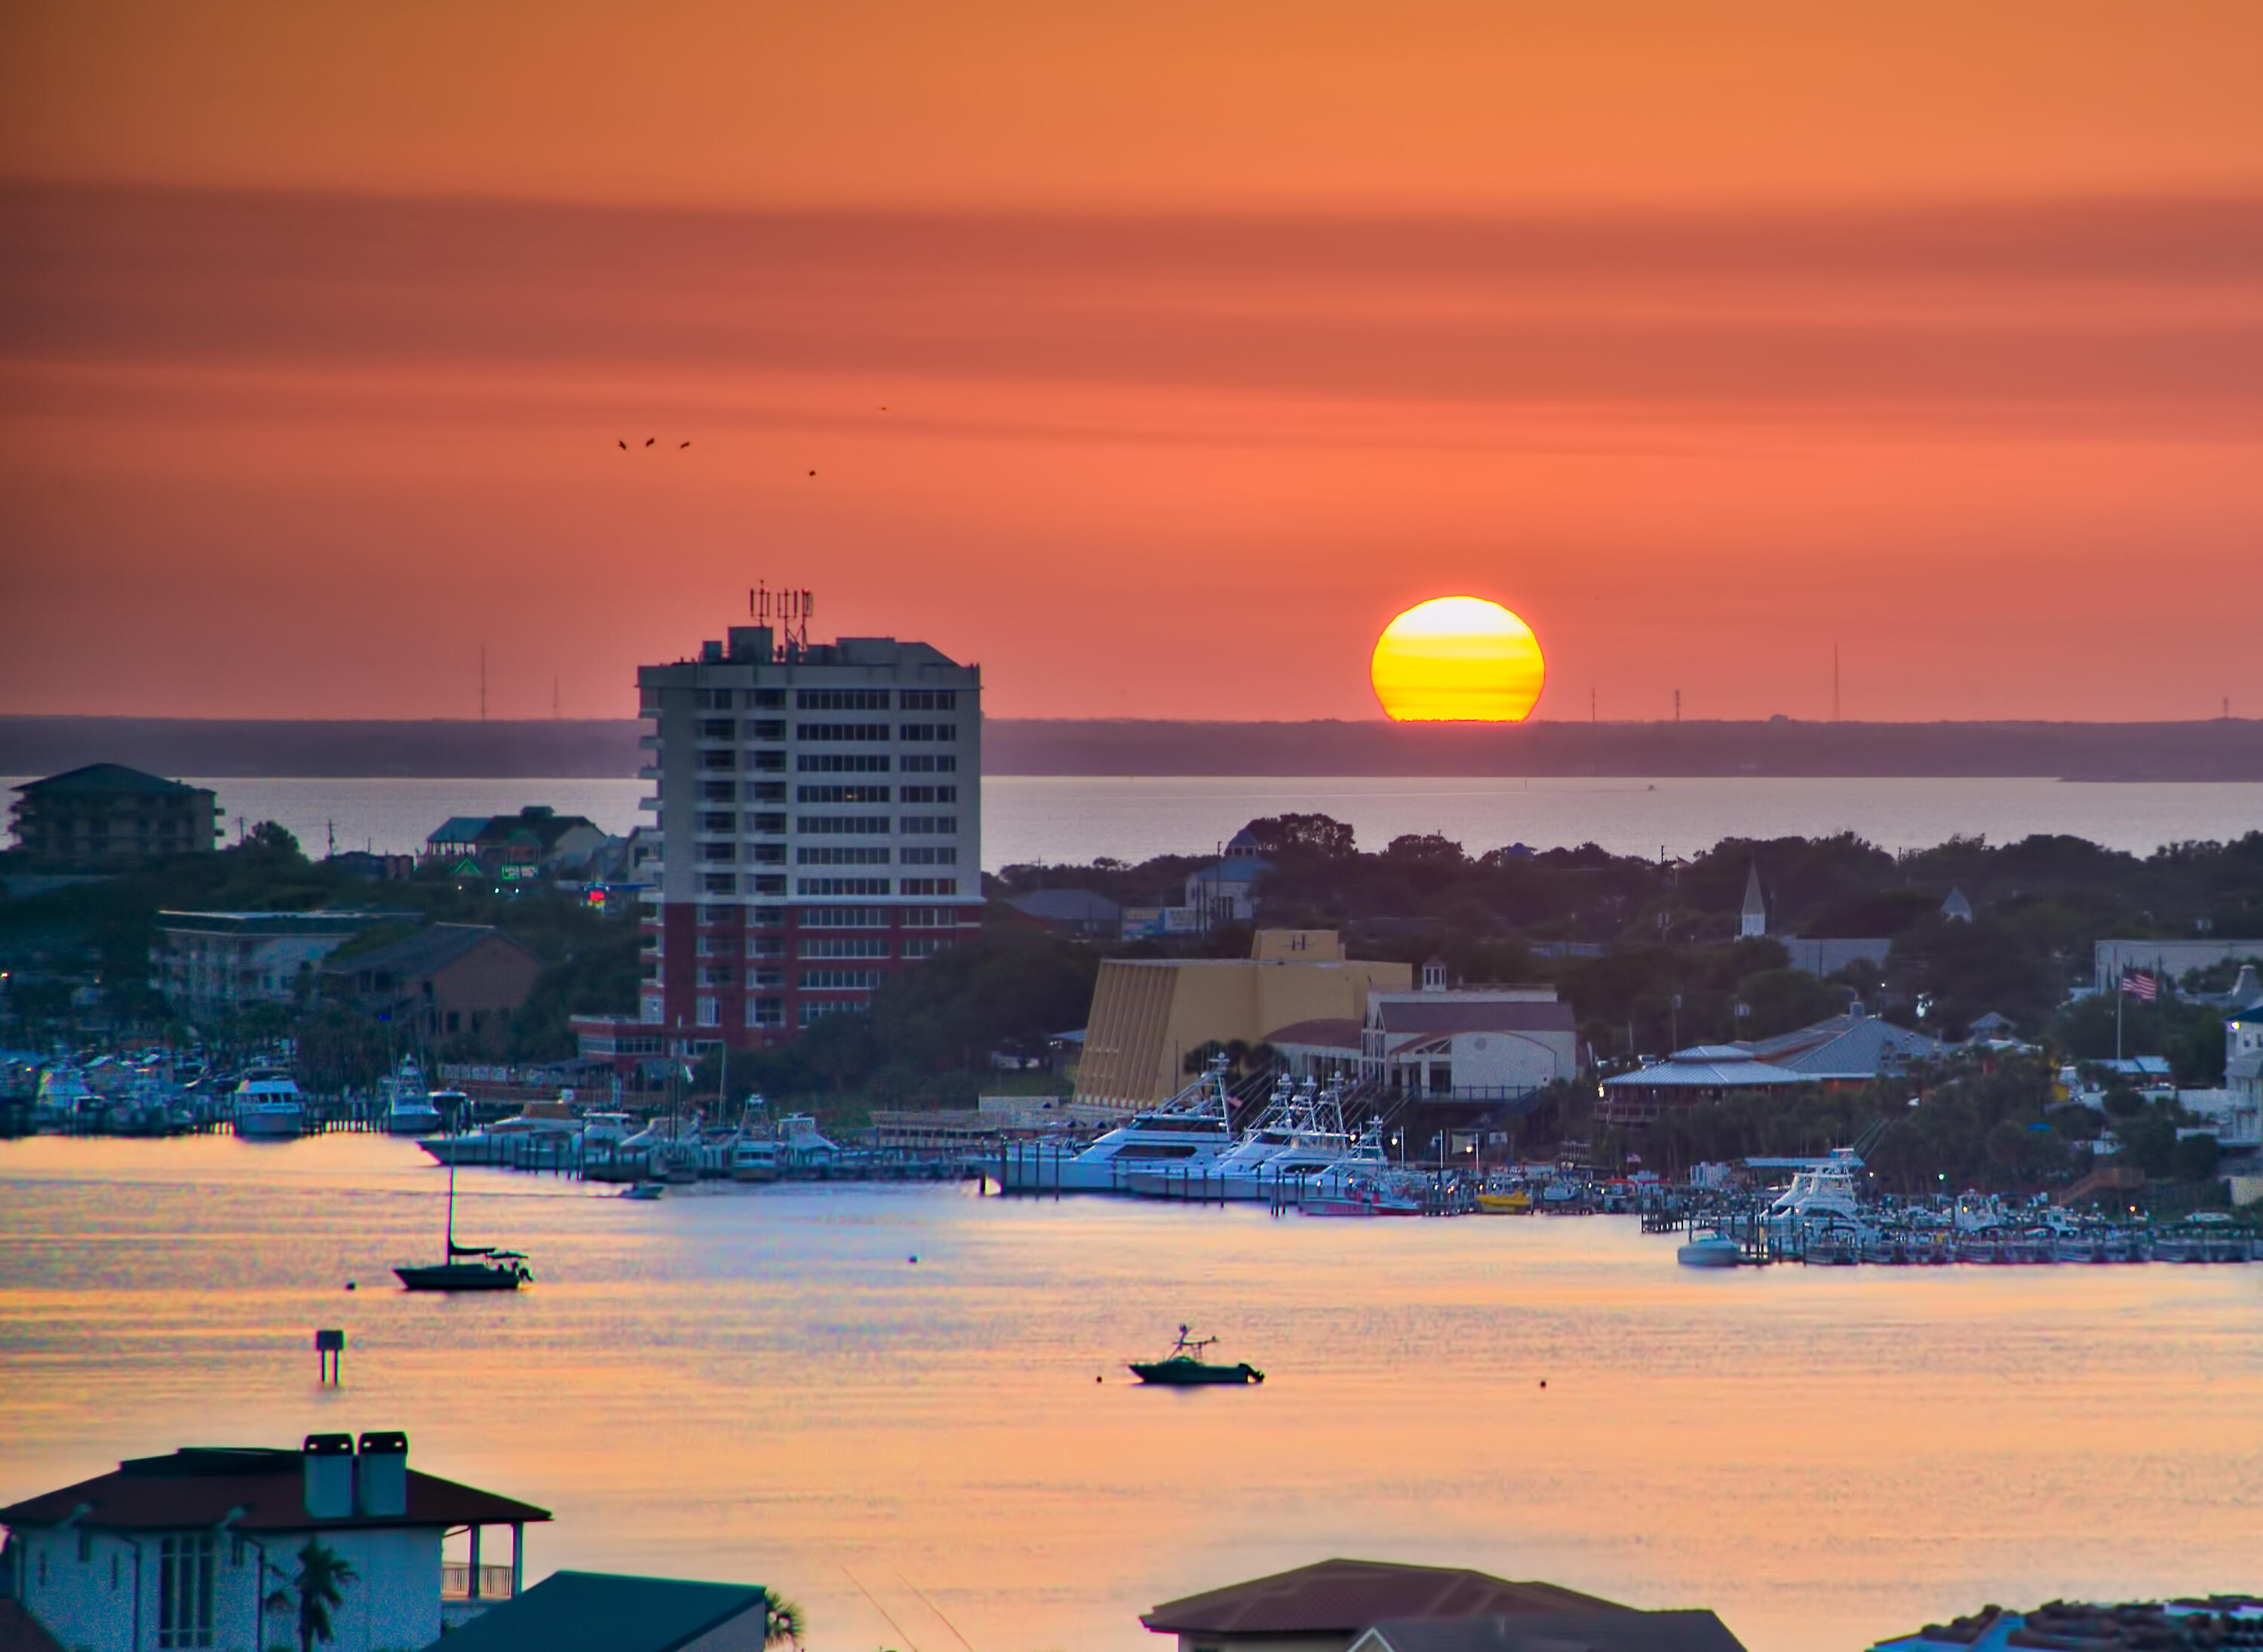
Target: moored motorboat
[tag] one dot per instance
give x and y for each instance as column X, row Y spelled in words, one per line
column 267, row 1105
column 1710, row 1250
column 1184, row 1367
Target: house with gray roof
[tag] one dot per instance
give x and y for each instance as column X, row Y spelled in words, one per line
column 606, row 1612
column 1853, row 1049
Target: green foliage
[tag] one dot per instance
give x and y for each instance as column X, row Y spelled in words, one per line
column 1785, row 1000
column 316, row 1590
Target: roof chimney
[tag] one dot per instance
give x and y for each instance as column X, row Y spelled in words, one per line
column 329, row 1464
column 381, row 1484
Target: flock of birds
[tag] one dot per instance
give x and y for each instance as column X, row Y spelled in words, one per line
column 654, row 441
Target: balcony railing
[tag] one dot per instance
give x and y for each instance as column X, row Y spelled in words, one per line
column 456, row 1582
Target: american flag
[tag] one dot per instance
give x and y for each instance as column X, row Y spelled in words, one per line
column 2140, row 985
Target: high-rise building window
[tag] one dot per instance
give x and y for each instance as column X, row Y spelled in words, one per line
column 845, row 917
column 927, row 732
column 930, row 857
column 840, row 825
column 765, row 945
column 842, row 763
column 765, row 1012
column 840, row 979
column 916, row 764
column 842, row 794
column 930, row 886
column 842, row 733
column 844, row 946
column 825, row 855
column 929, row 794
column 841, row 885
column 927, row 699
column 929, row 825
column 840, row 700
column 718, row 883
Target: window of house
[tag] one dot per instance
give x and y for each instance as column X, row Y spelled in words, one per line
column 710, row 1012
column 765, row 945
column 184, row 1591
column 652, row 1011
column 765, row 1012
column 924, row 945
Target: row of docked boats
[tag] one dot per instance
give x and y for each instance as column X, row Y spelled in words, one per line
column 1822, row 1217
column 1299, row 1153
column 616, row 1147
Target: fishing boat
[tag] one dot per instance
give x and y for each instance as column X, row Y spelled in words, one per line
column 1184, row 1367
column 467, row 1267
column 408, row 1109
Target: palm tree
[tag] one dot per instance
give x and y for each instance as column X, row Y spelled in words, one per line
column 318, row 1589
column 783, row 1622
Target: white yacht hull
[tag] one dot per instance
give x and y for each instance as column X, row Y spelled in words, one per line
column 272, row 1124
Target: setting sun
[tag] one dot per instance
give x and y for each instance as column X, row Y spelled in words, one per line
column 1457, row 659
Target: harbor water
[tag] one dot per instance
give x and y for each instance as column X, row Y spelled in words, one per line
column 763, row 1384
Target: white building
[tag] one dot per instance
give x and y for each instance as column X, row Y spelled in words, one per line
column 186, row 1551
column 1468, row 1043
column 219, row 960
column 819, row 817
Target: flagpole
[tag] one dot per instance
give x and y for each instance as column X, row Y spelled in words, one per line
column 2121, row 991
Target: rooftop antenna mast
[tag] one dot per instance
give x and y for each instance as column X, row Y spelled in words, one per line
column 788, row 611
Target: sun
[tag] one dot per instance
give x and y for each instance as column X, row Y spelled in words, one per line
column 1457, row 659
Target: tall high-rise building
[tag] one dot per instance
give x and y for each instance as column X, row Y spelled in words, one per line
column 819, row 815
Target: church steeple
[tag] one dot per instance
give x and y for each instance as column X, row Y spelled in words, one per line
column 1755, row 915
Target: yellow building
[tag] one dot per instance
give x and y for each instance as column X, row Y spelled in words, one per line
column 1148, row 1013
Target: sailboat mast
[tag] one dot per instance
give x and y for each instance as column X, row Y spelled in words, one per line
column 450, row 1254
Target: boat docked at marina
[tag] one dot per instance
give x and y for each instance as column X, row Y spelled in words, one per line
column 1186, row 1135
column 409, row 1108
column 555, row 1124
column 1715, row 1249
column 267, row 1105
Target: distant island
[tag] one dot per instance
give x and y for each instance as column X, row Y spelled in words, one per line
column 2220, row 749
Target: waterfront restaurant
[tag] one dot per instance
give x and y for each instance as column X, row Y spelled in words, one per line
column 191, row 1550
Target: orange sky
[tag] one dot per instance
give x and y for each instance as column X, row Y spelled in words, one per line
column 1702, row 337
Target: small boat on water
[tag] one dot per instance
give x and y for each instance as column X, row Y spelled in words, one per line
column 408, row 1109
column 467, row 1267
column 1184, row 1367
column 1710, row 1250
column 643, row 1191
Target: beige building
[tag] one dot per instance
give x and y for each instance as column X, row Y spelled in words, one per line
column 1148, row 1013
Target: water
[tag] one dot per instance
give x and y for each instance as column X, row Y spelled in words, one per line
column 759, row 1384
column 1077, row 818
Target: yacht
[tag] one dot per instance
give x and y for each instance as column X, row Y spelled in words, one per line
column 1186, row 1134
column 1824, row 1191
column 268, row 1106
column 408, row 1109
column 555, row 1124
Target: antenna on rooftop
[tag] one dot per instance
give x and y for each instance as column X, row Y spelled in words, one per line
column 785, row 609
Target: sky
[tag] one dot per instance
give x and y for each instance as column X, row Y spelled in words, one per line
column 1152, row 356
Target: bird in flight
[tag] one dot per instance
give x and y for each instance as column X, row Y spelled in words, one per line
column 649, row 440
column 683, row 444
column 813, row 473
column 625, row 448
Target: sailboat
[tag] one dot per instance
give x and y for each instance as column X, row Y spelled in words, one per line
column 468, row 1267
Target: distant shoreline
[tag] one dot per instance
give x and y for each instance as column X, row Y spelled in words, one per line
column 2217, row 749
